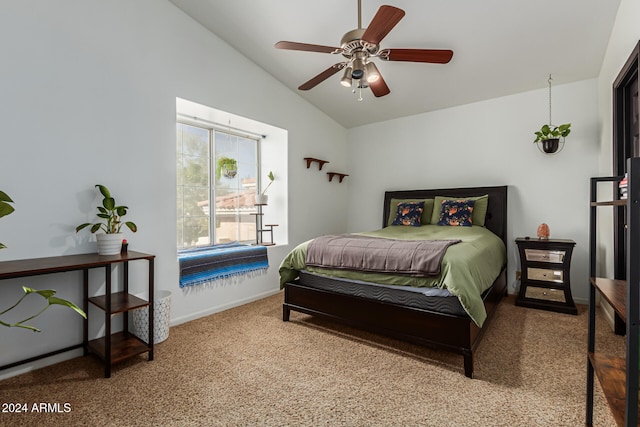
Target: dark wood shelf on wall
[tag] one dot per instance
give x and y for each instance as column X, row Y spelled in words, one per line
column 338, row 174
column 320, row 162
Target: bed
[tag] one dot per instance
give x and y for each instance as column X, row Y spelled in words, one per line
column 423, row 313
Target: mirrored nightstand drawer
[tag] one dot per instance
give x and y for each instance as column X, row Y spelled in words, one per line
column 545, row 275
column 544, row 255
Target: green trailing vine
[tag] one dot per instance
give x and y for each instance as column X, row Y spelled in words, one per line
column 48, row 295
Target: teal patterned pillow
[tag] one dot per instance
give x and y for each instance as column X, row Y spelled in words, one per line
column 409, row 214
column 456, row 213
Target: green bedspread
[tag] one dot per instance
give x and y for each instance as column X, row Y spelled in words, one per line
column 468, row 268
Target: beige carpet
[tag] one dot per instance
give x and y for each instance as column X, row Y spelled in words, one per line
column 247, row 367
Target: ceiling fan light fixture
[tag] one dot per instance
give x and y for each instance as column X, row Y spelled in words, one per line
column 372, row 72
column 358, row 66
column 346, row 77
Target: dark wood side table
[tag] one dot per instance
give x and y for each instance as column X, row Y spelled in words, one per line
column 111, row 348
column 546, row 274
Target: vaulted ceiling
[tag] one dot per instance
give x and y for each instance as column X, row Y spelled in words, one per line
column 501, row 47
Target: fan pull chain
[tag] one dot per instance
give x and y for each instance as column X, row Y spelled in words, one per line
column 359, row 92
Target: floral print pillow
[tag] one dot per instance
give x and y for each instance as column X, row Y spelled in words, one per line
column 408, row 214
column 456, row 213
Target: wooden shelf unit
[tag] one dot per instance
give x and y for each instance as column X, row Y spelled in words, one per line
column 111, row 348
column 617, row 376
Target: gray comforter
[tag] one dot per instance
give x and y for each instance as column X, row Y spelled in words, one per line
column 420, row 258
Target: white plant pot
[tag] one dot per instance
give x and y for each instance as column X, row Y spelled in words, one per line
column 261, row 199
column 109, row 244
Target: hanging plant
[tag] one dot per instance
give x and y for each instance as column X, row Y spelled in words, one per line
column 555, row 132
column 549, row 136
column 227, row 167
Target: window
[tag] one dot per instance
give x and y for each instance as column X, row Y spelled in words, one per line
column 219, row 166
column 211, row 210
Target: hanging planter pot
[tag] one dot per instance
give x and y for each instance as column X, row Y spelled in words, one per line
column 229, row 173
column 551, row 145
column 227, row 167
column 550, row 138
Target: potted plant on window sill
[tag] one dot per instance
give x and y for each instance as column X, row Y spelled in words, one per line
column 262, row 198
column 109, row 242
column 550, row 136
column 227, row 167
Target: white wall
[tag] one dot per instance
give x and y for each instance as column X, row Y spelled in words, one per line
column 484, row 144
column 88, row 93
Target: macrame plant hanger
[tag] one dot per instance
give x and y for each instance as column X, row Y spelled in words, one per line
column 561, row 139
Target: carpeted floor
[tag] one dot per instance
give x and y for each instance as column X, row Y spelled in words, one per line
column 246, row 367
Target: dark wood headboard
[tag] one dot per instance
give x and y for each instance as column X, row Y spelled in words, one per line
column 496, row 219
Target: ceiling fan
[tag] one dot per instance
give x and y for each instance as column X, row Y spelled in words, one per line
column 361, row 45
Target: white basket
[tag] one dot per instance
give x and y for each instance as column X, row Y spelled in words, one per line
column 139, row 325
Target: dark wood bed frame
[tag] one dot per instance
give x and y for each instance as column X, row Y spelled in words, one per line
column 458, row 334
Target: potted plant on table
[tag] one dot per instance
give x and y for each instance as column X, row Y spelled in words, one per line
column 550, row 135
column 262, row 198
column 47, row 294
column 109, row 242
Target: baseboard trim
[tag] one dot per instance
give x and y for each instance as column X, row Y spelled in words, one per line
column 212, row 310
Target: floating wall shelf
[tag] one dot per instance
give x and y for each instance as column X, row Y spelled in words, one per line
column 338, row 174
column 311, row 160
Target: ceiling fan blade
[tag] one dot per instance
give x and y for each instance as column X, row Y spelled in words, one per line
column 379, row 87
column 322, row 76
column 386, row 18
column 306, row 47
column 436, row 56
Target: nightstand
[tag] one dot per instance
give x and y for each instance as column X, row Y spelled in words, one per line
column 546, row 274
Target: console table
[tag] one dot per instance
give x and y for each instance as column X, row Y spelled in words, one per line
column 111, row 348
